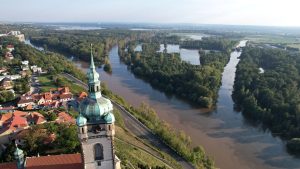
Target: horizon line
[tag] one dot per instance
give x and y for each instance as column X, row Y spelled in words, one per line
column 142, row 23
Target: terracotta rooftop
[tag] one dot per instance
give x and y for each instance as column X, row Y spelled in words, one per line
column 64, row 161
column 65, row 117
column 5, row 117
column 11, row 165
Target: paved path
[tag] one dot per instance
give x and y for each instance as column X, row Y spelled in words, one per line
column 139, row 129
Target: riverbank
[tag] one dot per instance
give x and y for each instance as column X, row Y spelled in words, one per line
column 224, row 133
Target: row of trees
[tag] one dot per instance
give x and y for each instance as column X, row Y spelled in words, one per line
column 168, row 72
column 51, row 62
column 270, row 97
column 209, row 43
column 77, row 43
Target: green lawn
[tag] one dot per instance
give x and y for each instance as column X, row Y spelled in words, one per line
column 275, row 39
column 48, row 81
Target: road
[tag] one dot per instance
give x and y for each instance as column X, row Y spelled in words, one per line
column 139, row 129
column 34, row 84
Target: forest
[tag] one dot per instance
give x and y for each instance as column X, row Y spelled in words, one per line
column 198, row 84
column 209, row 43
column 77, row 43
column 271, row 97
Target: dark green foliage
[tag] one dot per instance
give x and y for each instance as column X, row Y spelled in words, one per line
column 210, row 43
column 8, row 154
column 272, row 97
column 67, row 138
column 107, row 68
column 21, row 85
column 294, row 145
column 6, row 96
column 198, row 84
column 51, row 62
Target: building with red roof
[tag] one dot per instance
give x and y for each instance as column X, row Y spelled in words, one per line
column 64, row 117
column 52, row 99
column 18, row 120
column 63, row 161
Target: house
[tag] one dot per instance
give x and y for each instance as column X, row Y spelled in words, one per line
column 9, row 109
column 25, row 102
column 17, row 34
column 6, row 84
column 63, row 161
column 34, row 118
column 52, row 99
column 10, row 48
column 25, row 65
column 8, row 56
column 64, row 117
column 13, row 123
column 12, row 77
column 36, row 69
column 23, row 73
column 18, row 120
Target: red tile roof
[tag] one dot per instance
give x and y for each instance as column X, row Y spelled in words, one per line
column 11, row 165
column 5, row 117
column 64, row 117
column 20, row 113
column 65, row 96
column 36, row 117
column 64, row 161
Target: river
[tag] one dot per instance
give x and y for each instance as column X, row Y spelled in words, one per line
column 191, row 56
column 225, row 135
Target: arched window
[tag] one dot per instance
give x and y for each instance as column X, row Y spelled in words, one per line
column 98, row 151
column 92, row 88
column 97, row 88
column 82, row 130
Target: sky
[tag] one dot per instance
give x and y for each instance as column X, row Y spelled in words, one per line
column 228, row 12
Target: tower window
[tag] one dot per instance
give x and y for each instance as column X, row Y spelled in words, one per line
column 97, row 88
column 92, row 88
column 109, row 127
column 98, row 151
column 82, row 130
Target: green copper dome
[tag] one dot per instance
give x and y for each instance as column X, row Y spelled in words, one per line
column 90, row 109
column 81, row 121
column 94, row 107
column 109, row 118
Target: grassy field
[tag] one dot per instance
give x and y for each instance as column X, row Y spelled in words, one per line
column 49, row 81
column 295, row 45
column 132, row 156
column 274, row 39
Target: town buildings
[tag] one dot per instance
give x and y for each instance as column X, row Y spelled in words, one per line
column 96, row 131
column 52, row 99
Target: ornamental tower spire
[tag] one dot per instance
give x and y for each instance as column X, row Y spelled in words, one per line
column 94, row 82
column 19, row 156
column 92, row 66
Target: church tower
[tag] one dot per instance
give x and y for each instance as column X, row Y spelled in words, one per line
column 19, row 156
column 96, row 128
